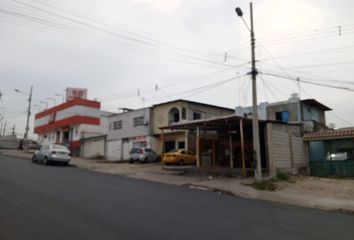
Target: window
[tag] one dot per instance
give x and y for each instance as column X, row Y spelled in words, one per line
column 184, row 113
column 173, row 115
column 138, row 121
column 282, row 116
column 197, row 115
column 117, row 125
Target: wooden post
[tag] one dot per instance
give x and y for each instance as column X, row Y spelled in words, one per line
column 162, row 145
column 197, row 148
column 214, row 154
column 244, row 173
column 186, row 136
column 292, row 163
column 230, row 148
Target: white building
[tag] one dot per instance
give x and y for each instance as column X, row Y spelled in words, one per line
column 128, row 130
column 68, row 122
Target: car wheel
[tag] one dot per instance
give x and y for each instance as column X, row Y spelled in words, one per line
column 181, row 162
column 145, row 160
column 34, row 159
column 45, row 161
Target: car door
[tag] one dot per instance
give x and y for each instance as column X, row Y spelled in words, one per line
column 39, row 154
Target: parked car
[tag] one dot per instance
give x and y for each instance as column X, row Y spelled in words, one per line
column 180, row 156
column 339, row 156
column 143, row 155
column 52, row 153
column 34, row 145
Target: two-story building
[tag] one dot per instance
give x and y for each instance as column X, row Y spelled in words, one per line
column 70, row 121
column 176, row 111
column 309, row 112
column 127, row 130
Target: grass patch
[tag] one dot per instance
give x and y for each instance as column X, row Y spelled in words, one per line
column 265, row 185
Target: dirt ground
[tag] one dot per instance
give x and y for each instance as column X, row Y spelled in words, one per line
column 325, row 187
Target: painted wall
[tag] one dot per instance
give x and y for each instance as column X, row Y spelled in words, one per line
column 93, row 148
column 161, row 117
column 312, row 113
column 128, row 129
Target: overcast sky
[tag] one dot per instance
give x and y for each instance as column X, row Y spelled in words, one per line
column 134, row 53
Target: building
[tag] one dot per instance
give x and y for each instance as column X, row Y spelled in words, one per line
column 309, row 112
column 70, row 121
column 141, row 128
column 331, row 152
column 227, row 141
column 180, row 111
column 127, row 130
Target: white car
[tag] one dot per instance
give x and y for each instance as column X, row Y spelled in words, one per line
column 52, row 153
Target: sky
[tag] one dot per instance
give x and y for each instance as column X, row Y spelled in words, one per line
column 135, row 53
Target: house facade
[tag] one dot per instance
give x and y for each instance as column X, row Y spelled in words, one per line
column 180, row 111
column 127, row 130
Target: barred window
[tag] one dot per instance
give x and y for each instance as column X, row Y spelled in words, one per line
column 138, row 121
column 117, row 125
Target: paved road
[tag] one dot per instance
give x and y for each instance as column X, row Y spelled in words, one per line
column 53, row 202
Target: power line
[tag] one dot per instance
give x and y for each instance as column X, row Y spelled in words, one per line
column 308, row 82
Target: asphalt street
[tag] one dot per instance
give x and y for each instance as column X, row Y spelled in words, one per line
column 55, row 202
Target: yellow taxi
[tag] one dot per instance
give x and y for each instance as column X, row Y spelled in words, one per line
column 180, row 156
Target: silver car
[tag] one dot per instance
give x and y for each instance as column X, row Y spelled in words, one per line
column 143, row 155
column 52, row 153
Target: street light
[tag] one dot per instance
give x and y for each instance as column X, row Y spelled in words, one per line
column 25, row 138
column 255, row 127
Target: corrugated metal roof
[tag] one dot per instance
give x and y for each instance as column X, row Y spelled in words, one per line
column 329, row 134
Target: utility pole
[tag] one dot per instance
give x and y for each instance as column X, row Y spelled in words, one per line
column 26, row 147
column 255, row 127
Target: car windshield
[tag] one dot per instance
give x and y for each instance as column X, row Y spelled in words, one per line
column 60, row 147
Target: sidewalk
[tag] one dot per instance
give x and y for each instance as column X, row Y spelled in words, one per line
column 322, row 193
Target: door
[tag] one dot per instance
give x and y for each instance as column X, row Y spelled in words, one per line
column 169, row 145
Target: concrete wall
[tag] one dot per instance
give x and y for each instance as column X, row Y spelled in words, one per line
column 291, row 107
column 286, row 149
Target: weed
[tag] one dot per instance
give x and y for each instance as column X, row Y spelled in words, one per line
column 265, row 185
column 281, row 176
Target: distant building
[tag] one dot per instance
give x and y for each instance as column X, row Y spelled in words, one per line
column 309, row 112
column 68, row 122
column 127, row 130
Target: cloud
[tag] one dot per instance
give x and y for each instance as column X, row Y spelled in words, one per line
column 160, row 5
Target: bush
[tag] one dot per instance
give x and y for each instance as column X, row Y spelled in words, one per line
column 281, row 176
column 265, row 185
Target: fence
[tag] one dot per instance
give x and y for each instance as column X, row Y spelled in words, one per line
column 332, row 168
